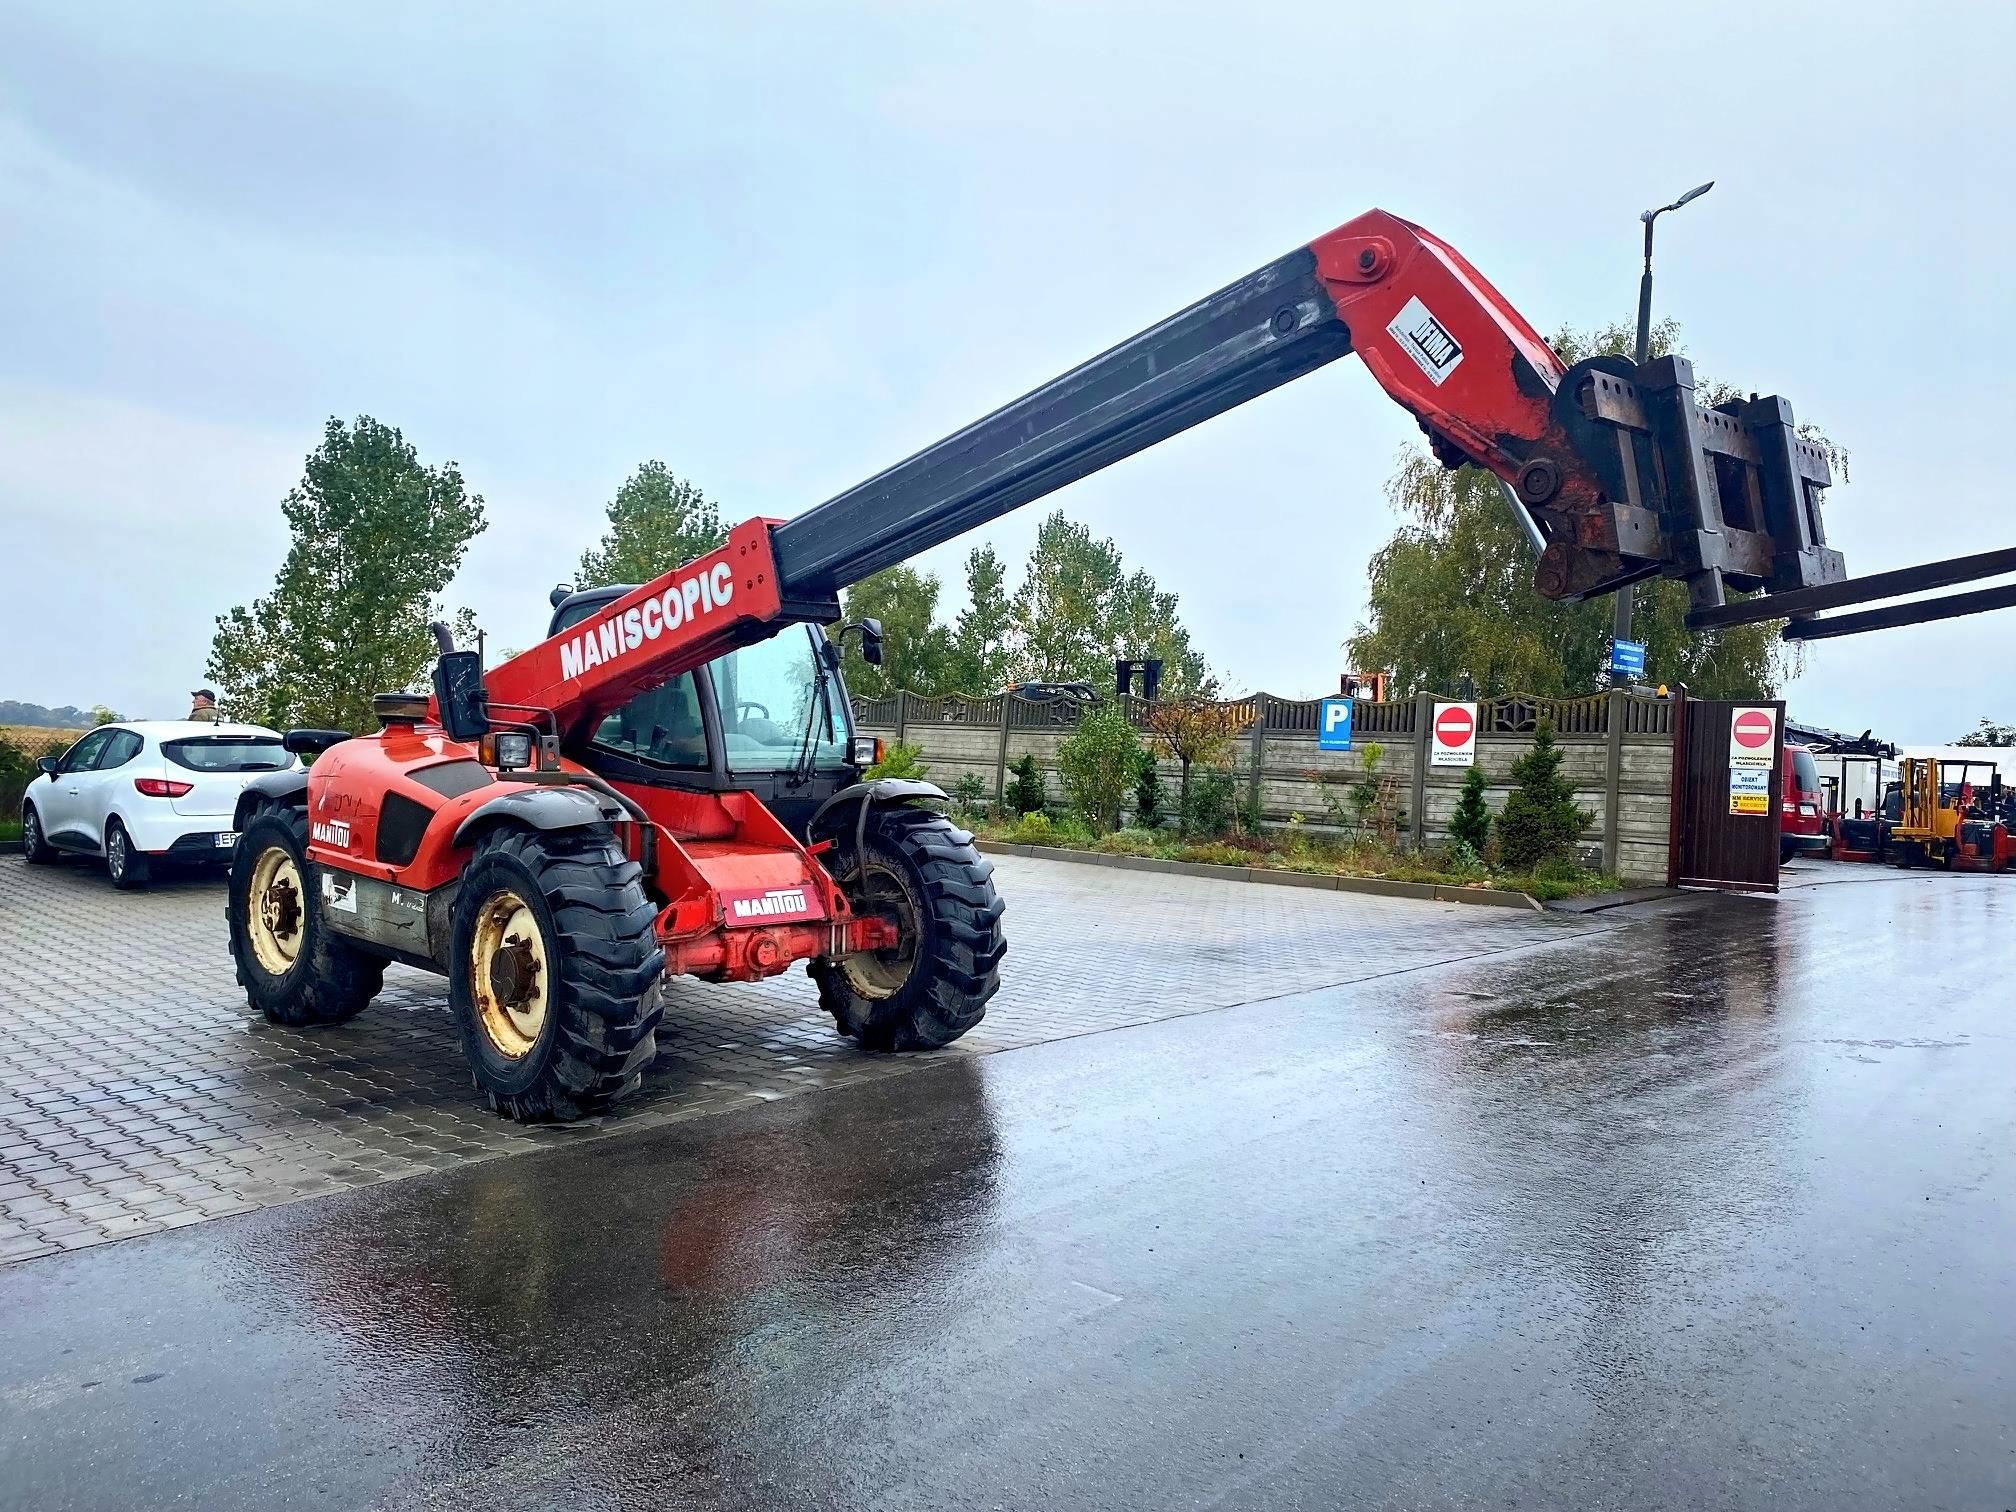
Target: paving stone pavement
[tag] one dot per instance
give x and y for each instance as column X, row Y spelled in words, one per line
column 139, row 1093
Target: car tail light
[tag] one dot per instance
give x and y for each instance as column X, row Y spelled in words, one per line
column 162, row 787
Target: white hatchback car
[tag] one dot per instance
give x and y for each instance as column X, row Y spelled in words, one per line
column 146, row 792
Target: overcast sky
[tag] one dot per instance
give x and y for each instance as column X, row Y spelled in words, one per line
column 782, row 246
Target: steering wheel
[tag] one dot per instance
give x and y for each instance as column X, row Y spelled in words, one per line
column 741, row 710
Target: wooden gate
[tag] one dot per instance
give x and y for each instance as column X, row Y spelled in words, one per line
column 1713, row 846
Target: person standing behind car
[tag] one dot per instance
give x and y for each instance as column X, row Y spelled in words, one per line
column 204, row 706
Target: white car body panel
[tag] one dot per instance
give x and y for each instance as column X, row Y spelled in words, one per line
column 75, row 807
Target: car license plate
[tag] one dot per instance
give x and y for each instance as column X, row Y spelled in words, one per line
column 228, row 839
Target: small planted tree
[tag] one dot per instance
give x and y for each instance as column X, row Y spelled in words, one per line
column 1540, row 822
column 1197, row 732
column 1470, row 825
column 1025, row 793
column 1212, row 803
column 969, row 793
column 1148, row 792
column 1099, row 764
column 1375, row 798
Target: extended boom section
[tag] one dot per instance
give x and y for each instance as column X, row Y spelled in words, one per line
column 1434, row 333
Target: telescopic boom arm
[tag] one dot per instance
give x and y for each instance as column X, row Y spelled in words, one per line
column 1614, row 467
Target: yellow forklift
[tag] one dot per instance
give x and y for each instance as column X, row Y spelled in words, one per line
column 1943, row 818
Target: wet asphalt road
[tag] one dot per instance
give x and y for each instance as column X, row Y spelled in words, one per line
column 1717, row 1209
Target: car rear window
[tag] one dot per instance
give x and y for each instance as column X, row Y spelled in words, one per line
column 227, row 753
column 1805, row 773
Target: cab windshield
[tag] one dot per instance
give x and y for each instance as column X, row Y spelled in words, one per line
column 779, row 707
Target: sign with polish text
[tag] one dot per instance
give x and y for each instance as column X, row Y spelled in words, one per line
column 1454, row 742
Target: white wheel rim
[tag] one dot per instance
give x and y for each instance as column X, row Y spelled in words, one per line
column 275, row 911
column 509, row 976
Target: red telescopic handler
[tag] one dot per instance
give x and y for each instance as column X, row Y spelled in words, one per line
column 671, row 782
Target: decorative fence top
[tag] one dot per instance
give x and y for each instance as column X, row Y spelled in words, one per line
column 1519, row 715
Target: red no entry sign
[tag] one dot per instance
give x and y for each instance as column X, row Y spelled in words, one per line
column 1752, row 734
column 1455, row 726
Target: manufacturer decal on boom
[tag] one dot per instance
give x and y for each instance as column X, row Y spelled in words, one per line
column 619, row 635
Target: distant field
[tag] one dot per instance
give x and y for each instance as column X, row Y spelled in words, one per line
column 37, row 738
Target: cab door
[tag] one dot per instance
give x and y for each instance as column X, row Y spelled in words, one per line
column 98, row 786
column 60, row 799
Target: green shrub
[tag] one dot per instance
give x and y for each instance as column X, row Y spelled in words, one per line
column 1130, row 842
column 1098, row 764
column 17, row 770
column 1148, row 792
column 1025, row 793
column 1470, row 825
column 1033, row 829
column 1460, row 858
column 899, row 760
column 1212, row 803
column 1540, row 821
column 969, row 793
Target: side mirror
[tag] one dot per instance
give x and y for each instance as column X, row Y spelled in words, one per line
column 46, row 765
column 460, row 701
column 870, row 631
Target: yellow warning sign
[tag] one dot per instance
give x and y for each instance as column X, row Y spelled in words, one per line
column 1749, row 803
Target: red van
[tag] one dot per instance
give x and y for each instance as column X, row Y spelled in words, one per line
column 1802, row 826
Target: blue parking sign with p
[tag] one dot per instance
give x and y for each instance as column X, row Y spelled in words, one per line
column 1333, row 725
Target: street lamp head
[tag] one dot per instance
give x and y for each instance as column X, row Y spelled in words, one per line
column 1695, row 193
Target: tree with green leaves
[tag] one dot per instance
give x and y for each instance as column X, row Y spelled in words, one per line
column 981, row 650
column 1148, row 791
column 1470, row 824
column 916, row 649
column 1025, row 793
column 377, row 535
column 1078, row 610
column 1098, row 764
column 656, row 522
column 1451, row 594
column 1540, row 822
column 1988, row 733
column 1197, row 732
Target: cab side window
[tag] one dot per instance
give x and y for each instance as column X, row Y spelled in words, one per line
column 120, row 749
column 662, row 727
column 84, row 756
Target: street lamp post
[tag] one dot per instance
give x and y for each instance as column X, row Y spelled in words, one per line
column 1620, row 627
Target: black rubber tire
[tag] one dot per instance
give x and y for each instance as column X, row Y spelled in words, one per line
column 127, row 867
column 331, row 980
column 597, row 924
column 957, row 962
column 35, row 845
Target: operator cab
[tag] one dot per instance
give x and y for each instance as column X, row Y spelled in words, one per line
column 772, row 719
